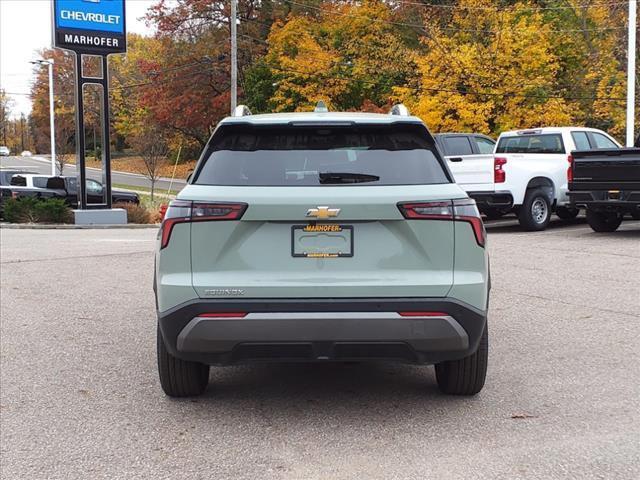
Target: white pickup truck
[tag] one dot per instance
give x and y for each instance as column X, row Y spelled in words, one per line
column 528, row 173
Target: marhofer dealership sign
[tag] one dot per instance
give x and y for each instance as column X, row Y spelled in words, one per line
column 90, row 26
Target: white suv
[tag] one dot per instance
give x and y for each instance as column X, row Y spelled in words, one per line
column 531, row 165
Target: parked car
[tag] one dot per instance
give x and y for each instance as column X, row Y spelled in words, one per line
column 470, row 159
column 4, row 151
column 321, row 237
column 606, row 183
column 532, row 165
column 68, row 188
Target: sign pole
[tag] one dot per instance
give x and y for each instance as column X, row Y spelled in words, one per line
column 80, row 140
column 106, row 142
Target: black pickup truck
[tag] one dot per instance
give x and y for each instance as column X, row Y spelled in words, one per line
column 606, row 182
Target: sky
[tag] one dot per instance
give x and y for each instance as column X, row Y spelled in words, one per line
column 25, row 27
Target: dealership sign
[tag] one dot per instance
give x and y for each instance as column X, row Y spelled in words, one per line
column 95, row 27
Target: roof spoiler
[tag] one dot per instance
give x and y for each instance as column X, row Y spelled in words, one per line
column 399, row 109
column 241, row 111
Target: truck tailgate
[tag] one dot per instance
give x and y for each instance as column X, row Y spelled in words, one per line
column 606, row 169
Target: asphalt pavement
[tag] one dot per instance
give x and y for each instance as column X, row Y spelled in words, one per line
column 42, row 165
column 79, row 393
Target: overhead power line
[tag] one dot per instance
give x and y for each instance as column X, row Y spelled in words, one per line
column 446, row 29
column 507, row 7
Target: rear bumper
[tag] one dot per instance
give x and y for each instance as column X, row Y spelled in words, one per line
column 607, row 201
column 492, row 200
column 322, row 330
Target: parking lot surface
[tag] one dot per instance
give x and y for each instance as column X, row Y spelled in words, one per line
column 79, row 394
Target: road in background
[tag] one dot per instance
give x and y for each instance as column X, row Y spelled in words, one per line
column 40, row 164
column 80, row 398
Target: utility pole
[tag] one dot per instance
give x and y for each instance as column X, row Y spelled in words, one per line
column 234, row 57
column 631, row 71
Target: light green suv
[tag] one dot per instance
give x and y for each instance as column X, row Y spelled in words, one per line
column 321, row 237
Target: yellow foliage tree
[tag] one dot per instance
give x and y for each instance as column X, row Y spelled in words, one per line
column 488, row 72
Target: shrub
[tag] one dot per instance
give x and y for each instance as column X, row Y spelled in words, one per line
column 34, row 210
column 135, row 213
column 54, row 210
column 19, row 210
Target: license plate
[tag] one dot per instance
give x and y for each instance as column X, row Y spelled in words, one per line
column 322, row 241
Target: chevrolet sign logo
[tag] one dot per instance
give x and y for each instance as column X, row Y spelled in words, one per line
column 323, row 212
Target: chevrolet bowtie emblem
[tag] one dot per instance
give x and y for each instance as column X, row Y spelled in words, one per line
column 323, row 212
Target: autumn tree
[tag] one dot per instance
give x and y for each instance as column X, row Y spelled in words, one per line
column 5, row 113
column 150, row 144
column 343, row 53
column 64, row 107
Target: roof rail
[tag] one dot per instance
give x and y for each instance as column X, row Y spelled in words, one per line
column 321, row 107
column 241, row 111
column 399, row 109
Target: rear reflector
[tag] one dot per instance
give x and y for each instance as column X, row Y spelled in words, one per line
column 423, row 314
column 223, row 315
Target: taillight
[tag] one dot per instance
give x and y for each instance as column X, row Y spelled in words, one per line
column 467, row 211
column 181, row 211
column 499, row 175
column 430, row 210
column 463, row 210
column 570, row 169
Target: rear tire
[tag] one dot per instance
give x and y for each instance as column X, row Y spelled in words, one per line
column 603, row 221
column 467, row 375
column 535, row 212
column 180, row 378
column 566, row 213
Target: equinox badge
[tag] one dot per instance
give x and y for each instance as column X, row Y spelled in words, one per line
column 323, row 212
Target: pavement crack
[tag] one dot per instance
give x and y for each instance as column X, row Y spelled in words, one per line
column 550, row 299
column 106, row 255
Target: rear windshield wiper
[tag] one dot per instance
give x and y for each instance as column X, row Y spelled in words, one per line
column 342, row 177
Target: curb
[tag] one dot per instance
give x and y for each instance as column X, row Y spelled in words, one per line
column 37, row 226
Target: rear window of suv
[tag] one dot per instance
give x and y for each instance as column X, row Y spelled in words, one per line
column 319, row 155
column 545, row 143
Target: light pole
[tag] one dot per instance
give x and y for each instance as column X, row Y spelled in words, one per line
column 49, row 63
column 234, row 57
column 631, row 71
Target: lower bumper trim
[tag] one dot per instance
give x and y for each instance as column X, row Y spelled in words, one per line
column 307, row 332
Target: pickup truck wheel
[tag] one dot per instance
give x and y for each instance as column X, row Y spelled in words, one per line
column 566, row 213
column 603, row 221
column 535, row 212
column 180, row 378
column 467, row 375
